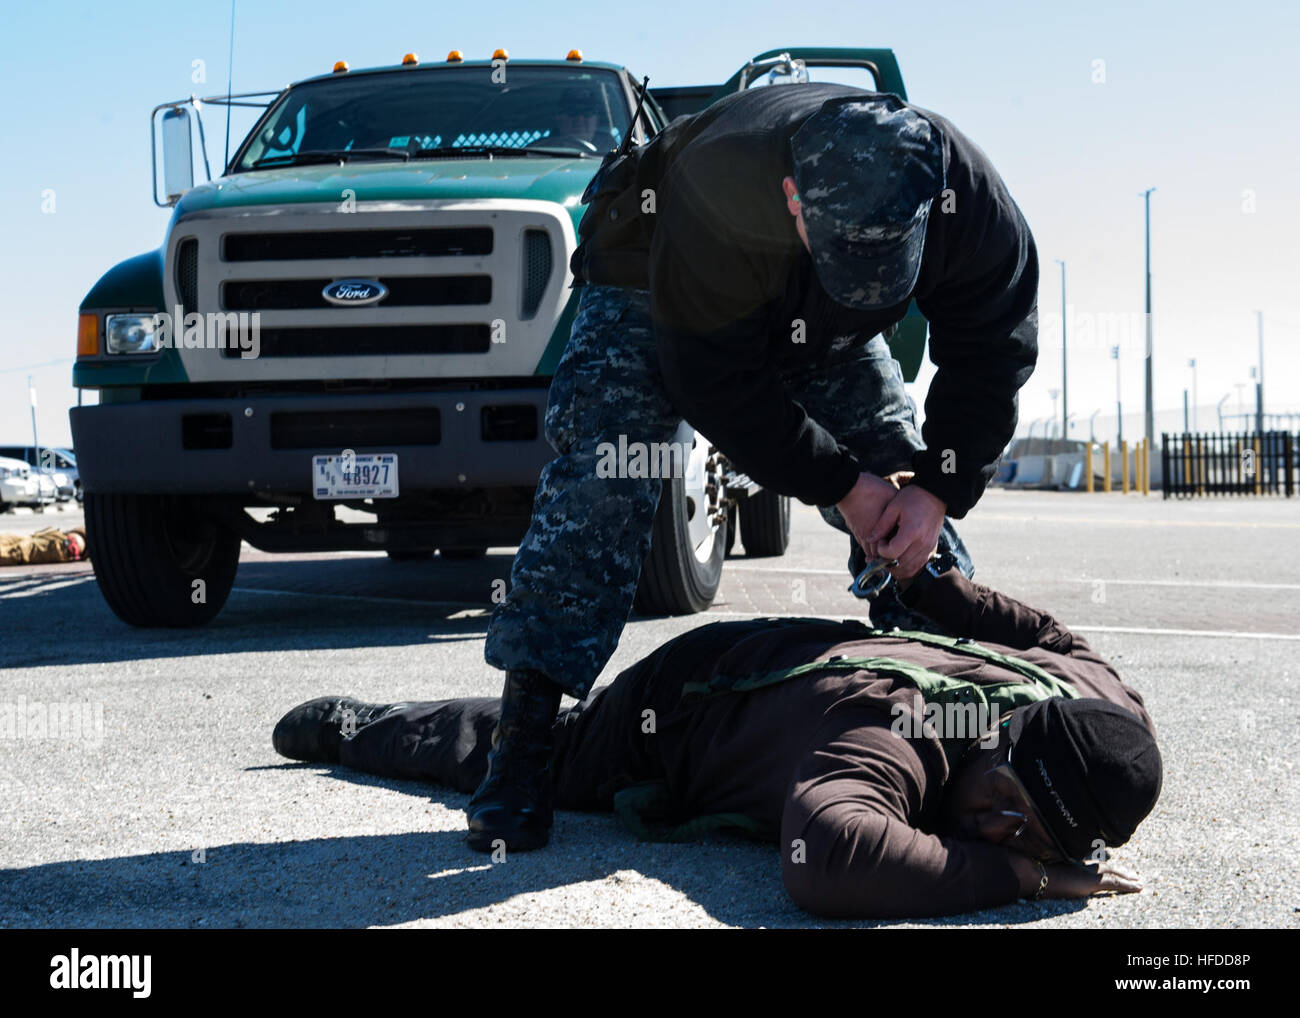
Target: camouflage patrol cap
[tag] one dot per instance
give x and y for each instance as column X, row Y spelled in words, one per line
column 867, row 169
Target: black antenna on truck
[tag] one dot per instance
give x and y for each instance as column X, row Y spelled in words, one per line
column 230, row 70
column 640, row 101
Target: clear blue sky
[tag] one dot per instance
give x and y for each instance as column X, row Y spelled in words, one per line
column 1199, row 100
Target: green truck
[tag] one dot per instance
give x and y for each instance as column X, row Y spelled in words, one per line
column 346, row 339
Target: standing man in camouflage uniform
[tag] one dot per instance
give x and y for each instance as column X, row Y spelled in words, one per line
column 738, row 271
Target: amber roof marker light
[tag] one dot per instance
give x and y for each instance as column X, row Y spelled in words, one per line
column 410, row 60
column 454, row 57
column 575, row 55
column 341, row 67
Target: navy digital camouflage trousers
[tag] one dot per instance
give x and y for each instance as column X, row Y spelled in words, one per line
column 576, row 572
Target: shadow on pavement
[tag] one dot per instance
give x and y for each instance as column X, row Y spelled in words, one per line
column 387, row 879
column 57, row 616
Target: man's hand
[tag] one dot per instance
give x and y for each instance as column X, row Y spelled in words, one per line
column 862, row 506
column 907, row 529
column 1081, row 882
column 1073, row 881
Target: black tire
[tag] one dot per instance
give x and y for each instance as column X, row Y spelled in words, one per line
column 406, row 555
column 765, row 524
column 147, row 551
column 462, row 554
column 675, row 580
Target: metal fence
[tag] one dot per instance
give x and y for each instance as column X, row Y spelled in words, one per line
column 1220, row 463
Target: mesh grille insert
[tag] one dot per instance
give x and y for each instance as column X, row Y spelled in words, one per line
column 537, row 269
column 187, row 273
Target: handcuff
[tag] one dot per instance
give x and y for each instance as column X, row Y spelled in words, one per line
column 875, row 576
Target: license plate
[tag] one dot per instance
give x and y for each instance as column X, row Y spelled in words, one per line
column 369, row 475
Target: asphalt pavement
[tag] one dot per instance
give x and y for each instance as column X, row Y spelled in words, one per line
column 167, row 806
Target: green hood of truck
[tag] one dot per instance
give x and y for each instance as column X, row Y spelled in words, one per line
column 557, row 180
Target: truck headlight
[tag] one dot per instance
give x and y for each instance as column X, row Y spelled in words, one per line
column 130, row 334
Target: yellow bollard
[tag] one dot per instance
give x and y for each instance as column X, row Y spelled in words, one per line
column 1087, row 468
column 1123, row 467
column 1146, row 467
column 1105, row 463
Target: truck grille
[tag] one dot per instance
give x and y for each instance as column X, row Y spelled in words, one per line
column 403, row 291
column 390, row 341
column 267, row 247
column 475, row 287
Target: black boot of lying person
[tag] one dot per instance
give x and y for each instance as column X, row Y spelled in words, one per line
column 313, row 731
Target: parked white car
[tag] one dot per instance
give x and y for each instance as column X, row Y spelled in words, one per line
column 59, row 464
column 18, row 485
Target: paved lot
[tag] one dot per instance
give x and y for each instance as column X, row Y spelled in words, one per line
column 177, row 812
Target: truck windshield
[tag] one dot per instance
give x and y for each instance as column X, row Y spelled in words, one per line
column 431, row 113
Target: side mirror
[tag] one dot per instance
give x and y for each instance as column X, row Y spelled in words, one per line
column 177, row 153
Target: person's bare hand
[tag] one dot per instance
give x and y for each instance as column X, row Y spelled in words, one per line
column 1081, row 882
column 862, row 506
column 1073, row 881
column 908, row 529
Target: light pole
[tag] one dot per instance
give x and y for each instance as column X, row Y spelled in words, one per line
column 1053, row 393
column 1226, row 397
column 31, row 396
column 1065, row 390
column 1150, row 406
column 1092, row 431
column 1259, row 382
column 1196, row 426
column 1119, row 406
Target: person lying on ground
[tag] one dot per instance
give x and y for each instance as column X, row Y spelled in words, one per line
column 47, row 545
column 901, row 773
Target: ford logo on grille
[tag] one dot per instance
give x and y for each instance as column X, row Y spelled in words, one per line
column 355, row 293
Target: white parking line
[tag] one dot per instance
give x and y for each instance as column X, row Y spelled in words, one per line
column 1138, row 523
column 355, row 597
column 26, row 588
column 1233, row 584
column 19, row 584
column 1231, row 634
column 733, row 567
column 1137, row 630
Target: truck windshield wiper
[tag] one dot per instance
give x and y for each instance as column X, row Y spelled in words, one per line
column 340, row 155
column 494, row 150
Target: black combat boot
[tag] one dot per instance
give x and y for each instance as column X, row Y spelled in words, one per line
column 313, row 731
column 514, row 803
